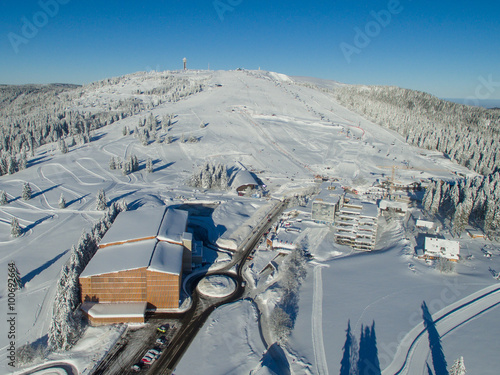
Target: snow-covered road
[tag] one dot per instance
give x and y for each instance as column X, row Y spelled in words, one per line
column 413, row 350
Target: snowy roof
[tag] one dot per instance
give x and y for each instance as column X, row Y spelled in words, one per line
column 329, row 194
column 167, row 258
column 425, row 223
column 442, row 248
column 133, row 226
column 115, row 310
column 243, row 178
column 173, row 226
column 369, row 210
column 128, row 256
column 385, row 204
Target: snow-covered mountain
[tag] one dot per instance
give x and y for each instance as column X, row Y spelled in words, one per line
column 158, row 128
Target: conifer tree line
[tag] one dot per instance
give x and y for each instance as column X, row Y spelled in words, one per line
column 467, row 134
column 211, row 177
column 35, row 115
column 66, row 325
column 472, row 200
column 130, row 165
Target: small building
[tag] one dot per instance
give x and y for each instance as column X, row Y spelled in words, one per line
column 441, row 248
column 393, row 206
column 475, row 233
column 112, row 313
column 424, row 224
column 244, row 180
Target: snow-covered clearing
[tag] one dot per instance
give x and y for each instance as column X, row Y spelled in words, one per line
column 233, row 330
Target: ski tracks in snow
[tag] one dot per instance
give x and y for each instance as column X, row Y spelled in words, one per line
column 317, row 322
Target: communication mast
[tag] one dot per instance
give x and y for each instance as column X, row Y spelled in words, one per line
column 184, row 60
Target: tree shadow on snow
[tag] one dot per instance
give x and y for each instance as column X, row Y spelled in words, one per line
column 132, row 206
column 38, row 160
column 275, row 360
column 116, row 199
column 363, row 360
column 163, row 166
column 31, row 275
column 39, row 221
column 34, row 195
column 76, row 200
column 438, row 358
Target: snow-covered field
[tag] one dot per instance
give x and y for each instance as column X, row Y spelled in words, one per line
column 285, row 133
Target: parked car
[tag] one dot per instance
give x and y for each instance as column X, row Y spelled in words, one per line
column 155, row 351
column 163, row 328
column 161, row 340
column 150, row 356
column 137, row 367
column 148, row 360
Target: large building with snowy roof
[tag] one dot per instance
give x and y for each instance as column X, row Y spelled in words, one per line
column 326, row 203
column 356, row 224
column 139, row 265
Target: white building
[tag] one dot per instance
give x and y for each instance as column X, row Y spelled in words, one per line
column 356, row 224
column 424, row 224
column 440, row 248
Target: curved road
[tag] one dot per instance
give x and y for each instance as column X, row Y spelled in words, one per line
column 413, row 351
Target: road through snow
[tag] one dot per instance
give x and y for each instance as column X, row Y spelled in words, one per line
column 317, row 323
column 413, row 350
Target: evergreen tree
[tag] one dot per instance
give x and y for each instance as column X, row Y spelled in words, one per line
column 126, row 167
column 12, row 165
column 22, row 161
column 62, row 202
column 149, row 165
column 15, row 275
column 63, row 147
column 458, row 367
column 26, row 194
column 428, row 197
column 134, row 163
column 436, row 200
column 101, row 201
column 3, row 198
column 15, row 228
column 112, row 163
column 224, row 180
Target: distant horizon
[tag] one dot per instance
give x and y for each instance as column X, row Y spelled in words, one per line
column 490, row 103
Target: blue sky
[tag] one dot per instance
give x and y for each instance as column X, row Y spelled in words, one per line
column 447, row 48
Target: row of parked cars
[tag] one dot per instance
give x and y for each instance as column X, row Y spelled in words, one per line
column 153, row 354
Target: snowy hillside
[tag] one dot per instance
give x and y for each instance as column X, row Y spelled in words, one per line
column 156, row 129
